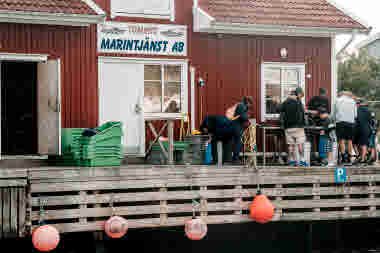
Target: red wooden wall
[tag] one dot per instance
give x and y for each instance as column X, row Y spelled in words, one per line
column 76, row 48
column 230, row 64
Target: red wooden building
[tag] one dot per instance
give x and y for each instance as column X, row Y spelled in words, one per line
column 78, row 63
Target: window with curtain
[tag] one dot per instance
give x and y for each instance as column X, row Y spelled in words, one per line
column 278, row 81
column 162, row 88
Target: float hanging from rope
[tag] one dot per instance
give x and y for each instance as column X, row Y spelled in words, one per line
column 115, row 226
column 261, row 208
column 196, row 228
column 46, row 237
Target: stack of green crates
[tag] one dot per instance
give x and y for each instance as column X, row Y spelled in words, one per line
column 102, row 149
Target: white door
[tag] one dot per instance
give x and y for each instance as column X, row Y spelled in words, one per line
column 121, row 92
column 49, row 107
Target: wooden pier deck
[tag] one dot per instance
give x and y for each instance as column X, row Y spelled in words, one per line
column 81, row 199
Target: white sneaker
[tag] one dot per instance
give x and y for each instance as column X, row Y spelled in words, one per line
column 331, row 164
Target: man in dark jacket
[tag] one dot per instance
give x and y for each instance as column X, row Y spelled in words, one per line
column 364, row 131
column 317, row 102
column 292, row 118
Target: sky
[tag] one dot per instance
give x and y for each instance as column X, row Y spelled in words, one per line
column 367, row 10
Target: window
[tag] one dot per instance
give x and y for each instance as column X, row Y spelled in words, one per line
column 164, row 89
column 160, row 9
column 278, row 80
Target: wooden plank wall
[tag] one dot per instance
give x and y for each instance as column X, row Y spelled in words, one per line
column 12, row 202
column 163, row 196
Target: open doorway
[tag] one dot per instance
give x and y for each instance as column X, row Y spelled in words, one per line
column 19, row 130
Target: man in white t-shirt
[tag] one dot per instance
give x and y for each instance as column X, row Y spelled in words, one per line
column 345, row 115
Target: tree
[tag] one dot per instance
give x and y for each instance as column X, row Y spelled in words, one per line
column 360, row 74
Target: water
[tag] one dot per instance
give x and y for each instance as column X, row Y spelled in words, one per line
column 358, row 236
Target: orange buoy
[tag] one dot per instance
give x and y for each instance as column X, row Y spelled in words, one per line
column 116, row 227
column 195, row 229
column 45, row 238
column 261, row 209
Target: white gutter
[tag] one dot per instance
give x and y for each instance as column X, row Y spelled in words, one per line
column 203, row 22
column 353, row 37
column 25, row 17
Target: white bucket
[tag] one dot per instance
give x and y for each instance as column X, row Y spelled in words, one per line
column 307, row 152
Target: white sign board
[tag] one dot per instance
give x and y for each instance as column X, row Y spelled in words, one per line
column 135, row 38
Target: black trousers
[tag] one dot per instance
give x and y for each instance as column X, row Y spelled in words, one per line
column 227, row 149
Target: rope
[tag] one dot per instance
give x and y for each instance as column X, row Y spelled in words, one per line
column 42, row 203
column 249, row 139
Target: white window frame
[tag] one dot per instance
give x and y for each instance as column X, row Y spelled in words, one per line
column 184, row 88
column 264, row 65
column 170, row 14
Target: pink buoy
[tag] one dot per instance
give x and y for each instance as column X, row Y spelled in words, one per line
column 195, row 229
column 45, row 238
column 116, row 227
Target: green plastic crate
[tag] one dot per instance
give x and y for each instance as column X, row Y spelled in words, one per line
column 70, row 138
column 178, row 145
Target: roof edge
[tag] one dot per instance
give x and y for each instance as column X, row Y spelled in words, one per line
column 94, row 7
column 203, row 22
column 347, row 12
column 368, row 41
column 50, row 18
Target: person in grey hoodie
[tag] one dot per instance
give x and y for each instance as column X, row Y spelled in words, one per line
column 345, row 114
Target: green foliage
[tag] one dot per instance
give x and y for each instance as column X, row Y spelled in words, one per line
column 360, row 73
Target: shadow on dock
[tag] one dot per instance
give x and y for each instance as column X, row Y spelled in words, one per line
column 326, row 237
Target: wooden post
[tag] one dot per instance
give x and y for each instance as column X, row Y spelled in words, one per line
column 21, row 211
column 6, row 212
column 346, row 196
column 1, row 213
column 28, row 217
column 372, row 207
column 164, row 209
column 171, row 142
column 98, row 235
column 83, row 194
column 219, row 149
column 203, row 202
column 279, row 198
column 13, row 212
column 316, row 196
column 239, row 200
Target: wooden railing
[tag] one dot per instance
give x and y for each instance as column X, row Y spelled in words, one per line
column 78, row 199
column 13, row 195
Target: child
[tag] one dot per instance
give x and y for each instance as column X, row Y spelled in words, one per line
column 327, row 137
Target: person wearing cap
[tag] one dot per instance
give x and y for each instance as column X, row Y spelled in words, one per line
column 364, row 131
column 319, row 101
column 292, row 120
column 345, row 114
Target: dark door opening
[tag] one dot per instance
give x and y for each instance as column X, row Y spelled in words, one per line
column 19, row 108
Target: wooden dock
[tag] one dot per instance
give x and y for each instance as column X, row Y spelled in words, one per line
column 81, row 199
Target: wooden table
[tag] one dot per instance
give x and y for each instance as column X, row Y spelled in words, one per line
column 308, row 130
column 169, row 124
